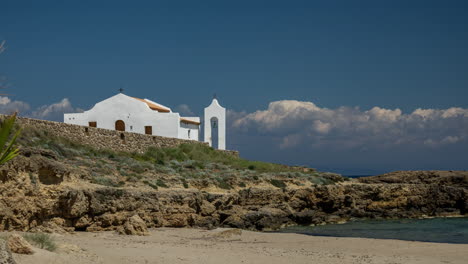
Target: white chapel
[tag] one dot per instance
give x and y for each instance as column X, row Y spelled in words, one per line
column 124, row 113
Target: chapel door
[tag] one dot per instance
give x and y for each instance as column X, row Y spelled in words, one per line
column 119, row 125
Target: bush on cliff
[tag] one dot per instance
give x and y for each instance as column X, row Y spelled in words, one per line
column 202, row 154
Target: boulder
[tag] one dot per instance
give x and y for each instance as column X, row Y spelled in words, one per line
column 5, row 253
column 207, row 208
column 19, row 245
column 134, row 226
column 74, row 203
column 177, row 220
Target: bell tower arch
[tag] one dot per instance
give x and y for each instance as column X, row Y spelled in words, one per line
column 215, row 118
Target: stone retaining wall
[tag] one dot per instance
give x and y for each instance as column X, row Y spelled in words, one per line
column 104, row 138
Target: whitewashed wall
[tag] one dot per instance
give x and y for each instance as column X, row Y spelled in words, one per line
column 194, row 129
column 135, row 114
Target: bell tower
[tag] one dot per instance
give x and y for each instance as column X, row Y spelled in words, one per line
column 215, row 125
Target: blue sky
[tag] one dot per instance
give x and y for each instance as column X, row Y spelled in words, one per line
column 387, row 54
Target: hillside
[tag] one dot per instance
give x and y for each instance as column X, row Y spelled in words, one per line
column 58, row 185
column 185, row 166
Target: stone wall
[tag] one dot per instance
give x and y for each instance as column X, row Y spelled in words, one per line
column 106, row 139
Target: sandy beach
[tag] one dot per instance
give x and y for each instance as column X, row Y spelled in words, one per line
column 170, row 245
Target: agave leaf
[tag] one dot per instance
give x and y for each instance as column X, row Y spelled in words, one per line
column 5, row 130
column 11, row 151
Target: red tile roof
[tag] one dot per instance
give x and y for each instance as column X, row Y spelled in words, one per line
column 188, row 121
column 153, row 106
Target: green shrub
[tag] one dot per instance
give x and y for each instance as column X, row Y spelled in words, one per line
column 320, row 180
column 32, row 178
column 133, row 177
column 154, row 186
column 41, row 240
column 223, row 184
column 278, row 183
column 184, row 183
column 105, row 181
column 161, row 183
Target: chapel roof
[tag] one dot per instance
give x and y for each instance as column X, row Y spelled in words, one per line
column 160, row 108
column 188, row 121
column 153, row 106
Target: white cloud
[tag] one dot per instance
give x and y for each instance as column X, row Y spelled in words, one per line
column 454, row 111
column 7, row 106
column 384, row 114
column 321, row 127
column 296, row 123
column 184, row 110
column 52, row 112
column 450, row 139
column 4, row 100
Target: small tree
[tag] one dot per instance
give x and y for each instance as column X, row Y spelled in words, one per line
column 7, row 148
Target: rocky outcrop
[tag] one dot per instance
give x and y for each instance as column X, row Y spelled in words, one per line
column 5, row 253
column 41, row 192
column 134, row 226
column 19, row 245
column 448, row 178
column 94, row 209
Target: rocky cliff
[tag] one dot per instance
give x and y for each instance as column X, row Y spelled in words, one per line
column 41, row 190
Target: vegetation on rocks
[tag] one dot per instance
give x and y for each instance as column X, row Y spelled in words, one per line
column 41, row 240
column 186, row 166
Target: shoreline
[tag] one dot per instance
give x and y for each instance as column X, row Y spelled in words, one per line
column 345, row 221
column 185, row 245
column 423, row 229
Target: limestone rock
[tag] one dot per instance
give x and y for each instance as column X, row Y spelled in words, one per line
column 134, row 226
column 53, row 226
column 83, row 222
column 177, row 220
column 5, row 253
column 74, row 203
column 448, row 178
column 207, row 208
column 19, row 245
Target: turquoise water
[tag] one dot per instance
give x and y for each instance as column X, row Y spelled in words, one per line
column 441, row 230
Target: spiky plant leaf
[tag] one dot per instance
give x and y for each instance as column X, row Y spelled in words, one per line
column 8, row 150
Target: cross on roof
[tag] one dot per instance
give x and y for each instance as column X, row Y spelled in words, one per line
column 121, row 89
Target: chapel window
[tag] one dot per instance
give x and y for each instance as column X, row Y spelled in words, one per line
column 148, row 130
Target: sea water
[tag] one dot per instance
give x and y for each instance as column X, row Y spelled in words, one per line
column 441, row 230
